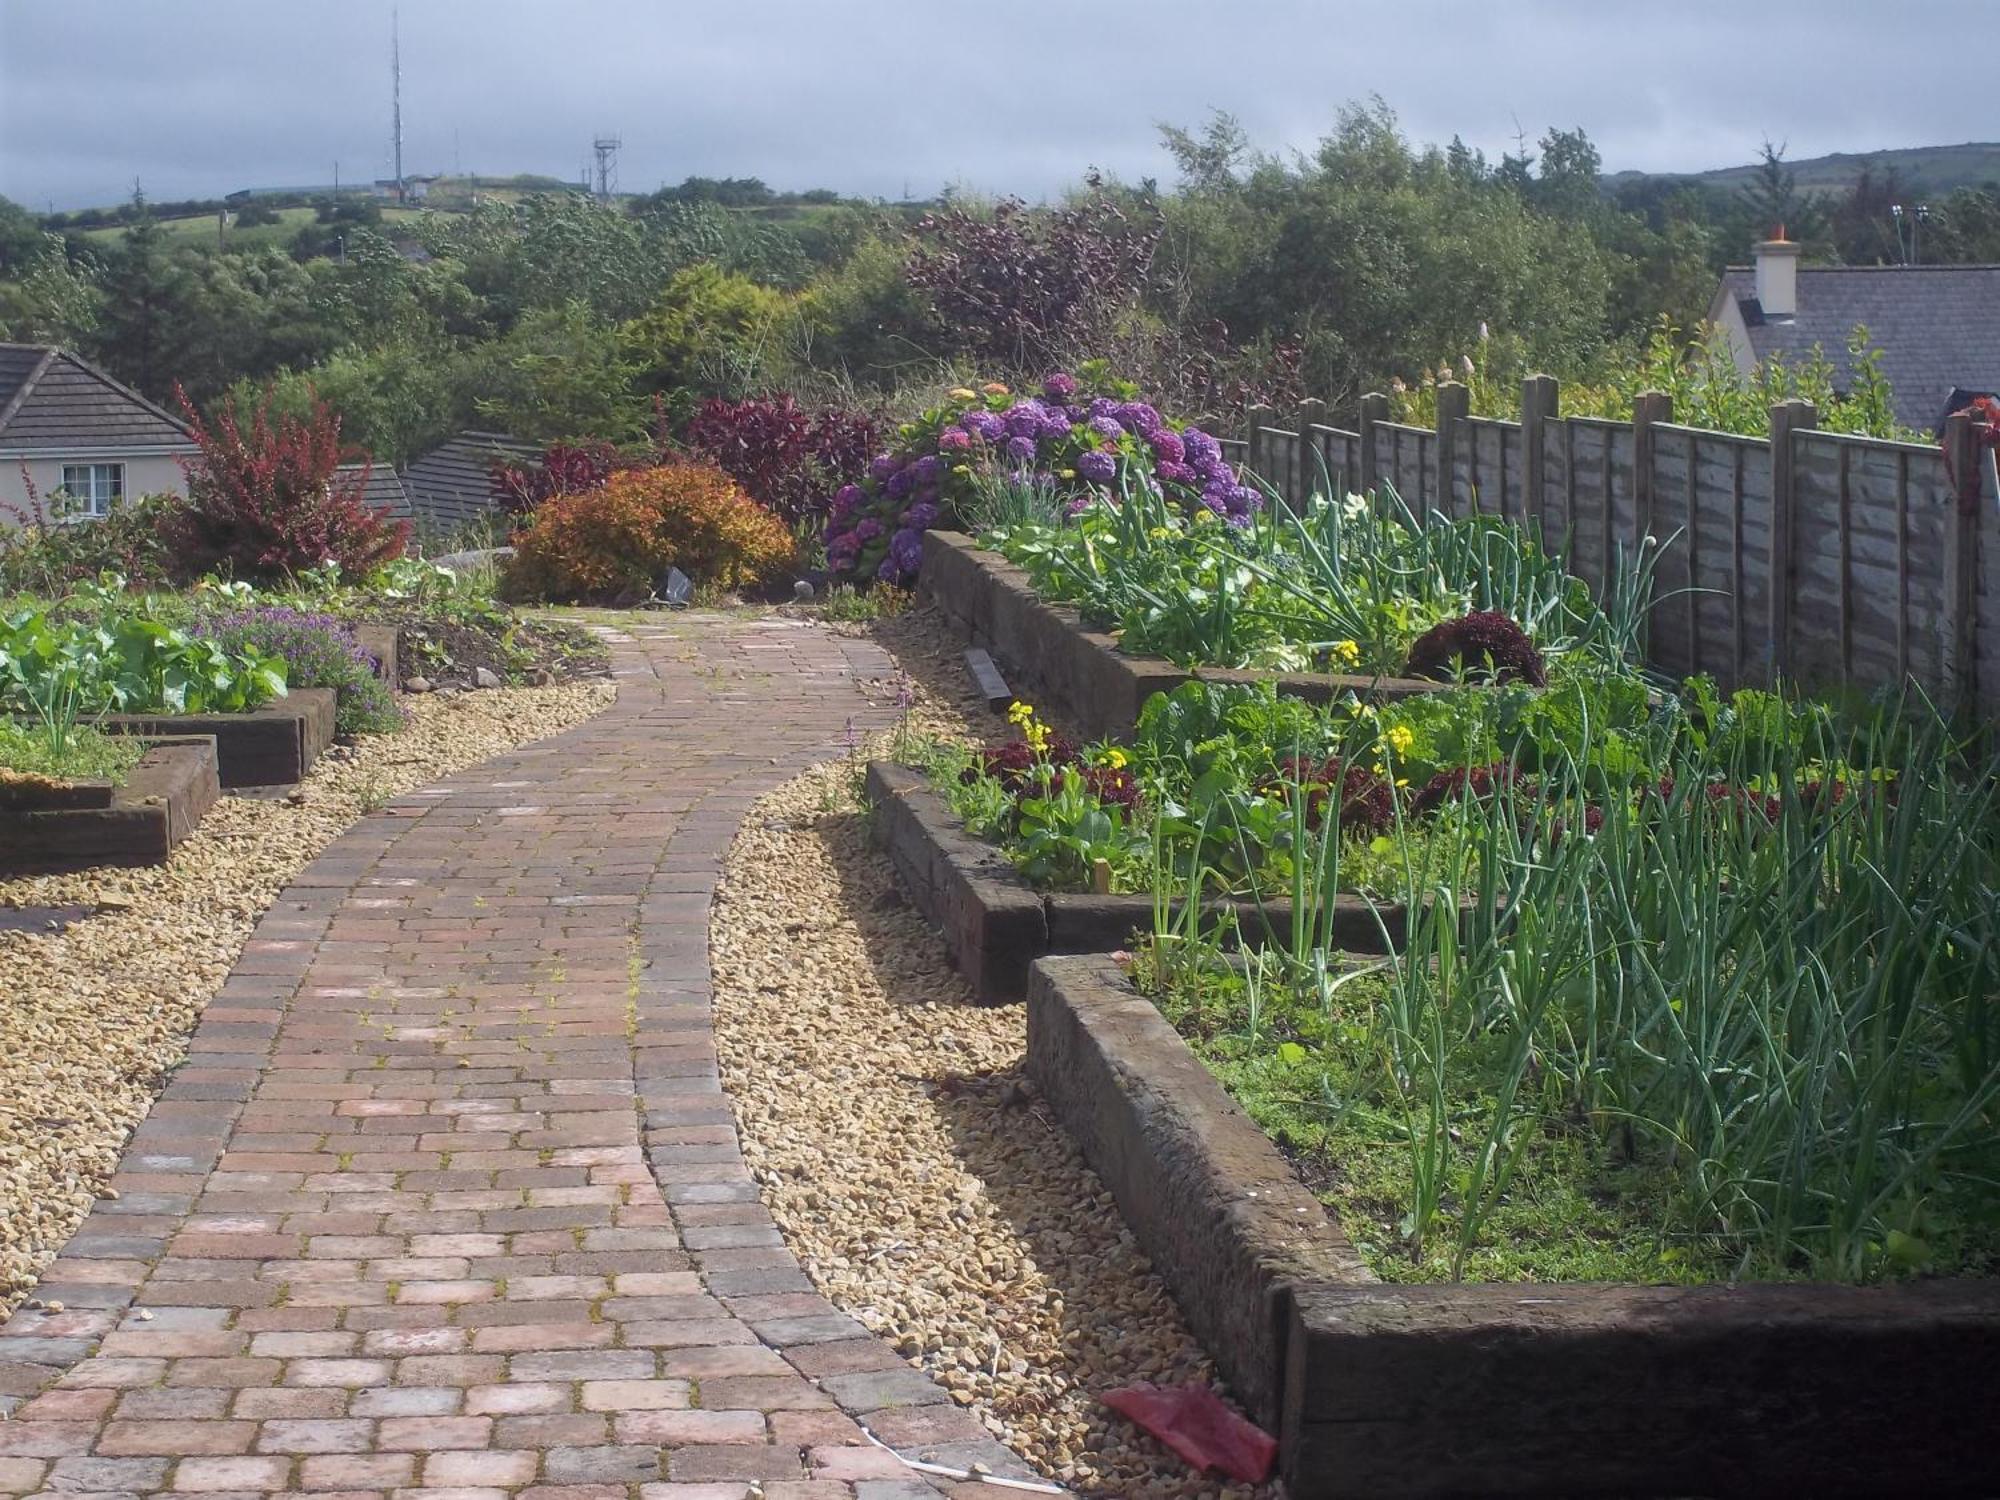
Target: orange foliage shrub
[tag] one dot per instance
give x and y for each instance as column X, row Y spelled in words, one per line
column 614, row 541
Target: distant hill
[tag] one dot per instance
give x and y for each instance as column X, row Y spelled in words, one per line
column 1929, row 169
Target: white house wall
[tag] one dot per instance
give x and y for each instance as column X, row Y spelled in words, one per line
column 145, row 474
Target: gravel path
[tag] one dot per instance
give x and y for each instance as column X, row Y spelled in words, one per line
column 94, row 1017
column 893, row 1138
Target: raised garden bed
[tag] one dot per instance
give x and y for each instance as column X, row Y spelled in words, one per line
column 996, row 924
column 1078, row 674
column 270, row 746
column 1506, row 1388
column 96, row 823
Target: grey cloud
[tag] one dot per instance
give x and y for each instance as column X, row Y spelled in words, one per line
column 867, row 96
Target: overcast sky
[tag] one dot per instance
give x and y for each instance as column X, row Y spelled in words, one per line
column 196, row 98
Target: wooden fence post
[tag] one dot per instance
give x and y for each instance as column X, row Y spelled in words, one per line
column 1959, row 588
column 1787, row 417
column 1648, row 407
column 1538, row 406
column 1254, row 457
column 1374, row 408
column 1312, row 413
column 1454, row 402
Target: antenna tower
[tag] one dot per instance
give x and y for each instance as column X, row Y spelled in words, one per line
column 606, row 149
column 396, row 95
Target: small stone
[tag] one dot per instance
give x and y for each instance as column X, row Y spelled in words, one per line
column 418, row 685
column 484, row 678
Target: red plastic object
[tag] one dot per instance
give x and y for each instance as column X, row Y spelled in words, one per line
column 1193, row 1421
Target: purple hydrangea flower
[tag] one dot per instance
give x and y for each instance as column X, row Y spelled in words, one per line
column 1059, row 386
column 889, row 572
column 900, row 484
column 1021, row 450
column 1026, row 418
column 989, row 425
column 867, row 530
column 906, row 549
column 927, row 469
column 922, row 516
column 1097, row 466
column 1167, row 446
column 1104, row 406
column 1107, row 428
column 1174, row 473
column 1198, row 445
column 883, row 467
column 1140, row 417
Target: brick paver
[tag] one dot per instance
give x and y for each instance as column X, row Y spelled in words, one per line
column 447, row 1203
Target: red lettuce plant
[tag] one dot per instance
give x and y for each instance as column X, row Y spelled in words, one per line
column 267, row 496
column 1367, row 802
column 1483, row 638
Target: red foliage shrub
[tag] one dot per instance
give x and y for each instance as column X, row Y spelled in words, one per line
column 788, row 459
column 1483, row 638
column 613, row 542
column 1029, row 287
column 561, row 470
column 267, row 497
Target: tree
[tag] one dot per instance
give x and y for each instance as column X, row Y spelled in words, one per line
column 560, row 375
column 55, row 301
column 1567, row 182
column 148, row 289
column 1773, row 202
column 20, row 238
column 1208, row 161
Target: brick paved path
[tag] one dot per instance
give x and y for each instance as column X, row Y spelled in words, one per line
column 447, row 1202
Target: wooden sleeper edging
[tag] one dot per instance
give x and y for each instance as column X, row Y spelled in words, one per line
column 138, row 823
column 1506, row 1389
column 1078, row 674
column 275, row 745
column 996, row 924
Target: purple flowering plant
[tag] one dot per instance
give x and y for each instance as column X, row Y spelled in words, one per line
column 1085, row 435
column 319, row 651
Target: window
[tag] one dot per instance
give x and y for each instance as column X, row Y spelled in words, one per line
column 93, row 488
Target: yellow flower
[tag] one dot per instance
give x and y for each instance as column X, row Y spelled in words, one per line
column 1112, row 757
column 1204, row 517
column 1347, row 653
column 1400, row 739
column 1020, row 713
column 1037, row 736
column 994, row 388
column 964, row 393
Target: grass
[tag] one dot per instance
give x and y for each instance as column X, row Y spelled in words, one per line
column 90, row 754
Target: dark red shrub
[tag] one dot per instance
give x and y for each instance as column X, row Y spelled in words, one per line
column 1029, row 287
column 561, row 470
column 787, row 459
column 268, row 497
column 1485, row 638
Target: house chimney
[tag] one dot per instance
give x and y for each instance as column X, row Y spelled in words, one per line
column 1778, row 277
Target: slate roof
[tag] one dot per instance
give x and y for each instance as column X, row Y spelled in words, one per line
column 50, row 399
column 1938, row 327
column 384, row 490
column 451, row 485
